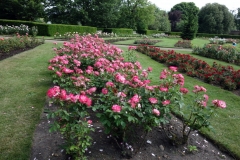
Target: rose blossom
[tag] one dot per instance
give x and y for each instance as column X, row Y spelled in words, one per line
column 116, row 108
column 173, row 68
column 219, row 103
column 163, row 89
column 156, row 112
column 59, row 73
column 109, row 84
column 166, row 102
column 104, row 91
column 53, row 92
column 89, row 121
column 153, row 100
column 184, row 90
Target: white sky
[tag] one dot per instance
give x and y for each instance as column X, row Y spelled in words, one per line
column 168, row 4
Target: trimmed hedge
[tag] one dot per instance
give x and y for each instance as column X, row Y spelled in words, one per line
column 51, row 29
column 218, row 35
column 118, row 30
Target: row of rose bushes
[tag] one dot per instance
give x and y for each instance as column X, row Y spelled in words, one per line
column 224, row 76
column 228, row 54
column 22, row 30
column 183, row 44
column 18, row 42
column 146, row 41
column 92, row 75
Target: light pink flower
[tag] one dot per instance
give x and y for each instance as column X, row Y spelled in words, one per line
column 163, row 89
column 53, row 92
column 109, row 84
column 173, row 68
column 76, row 62
column 134, row 100
column 164, row 74
column 59, row 73
column 199, row 89
column 104, row 91
column 91, row 90
column 219, row 103
column 63, row 95
column 120, row 78
column 67, row 71
column 89, row 121
column 116, row 108
column 166, row 102
column 149, row 69
column 156, row 112
column 50, row 68
column 184, row 90
column 132, row 48
column 153, row 100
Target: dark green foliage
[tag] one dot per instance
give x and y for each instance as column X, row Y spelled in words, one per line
column 51, row 29
column 28, row 10
column 118, row 30
column 189, row 19
column 215, row 19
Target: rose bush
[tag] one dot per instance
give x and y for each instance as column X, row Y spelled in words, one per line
column 92, row 75
column 219, row 52
column 224, row 76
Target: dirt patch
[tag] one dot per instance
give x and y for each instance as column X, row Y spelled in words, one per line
column 156, row 145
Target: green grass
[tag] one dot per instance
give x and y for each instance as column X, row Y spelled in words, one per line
column 226, row 124
column 166, row 42
column 24, row 82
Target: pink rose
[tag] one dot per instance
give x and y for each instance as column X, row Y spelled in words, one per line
column 89, row 121
column 109, row 84
column 184, row 90
column 59, row 73
column 153, row 100
column 156, row 112
column 76, row 62
column 116, row 108
column 104, row 91
column 53, row 92
column 173, row 68
column 163, row 89
column 166, row 102
column 219, row 103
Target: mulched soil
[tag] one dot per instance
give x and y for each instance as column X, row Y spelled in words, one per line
column 47, row 146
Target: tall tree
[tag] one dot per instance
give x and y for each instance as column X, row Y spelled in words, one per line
column 21, row 9
column 105, row 13
column 161, row 21
column 215, row 18
column 136, row 14
column 175, row 18
column 189, row 19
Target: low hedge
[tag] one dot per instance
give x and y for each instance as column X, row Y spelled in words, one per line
column 118, row 30
column 51, row 29
column 218, row 35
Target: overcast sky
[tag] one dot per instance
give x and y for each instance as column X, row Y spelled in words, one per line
column 168, row 4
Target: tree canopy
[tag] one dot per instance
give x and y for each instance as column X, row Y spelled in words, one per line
column 215, row 18
column 186, row 14
column 21, row 9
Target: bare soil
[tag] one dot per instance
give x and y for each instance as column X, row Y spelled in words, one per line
column 156, row 145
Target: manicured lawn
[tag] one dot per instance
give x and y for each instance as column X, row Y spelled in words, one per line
column 167, row 42
column 24, row 82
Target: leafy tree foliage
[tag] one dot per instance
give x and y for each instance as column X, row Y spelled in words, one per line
column 161, row 21
column 175, row 18
column 189, row 19
column 136, row 14
column 237, row 19
column 21, row 9
column 215, row 18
